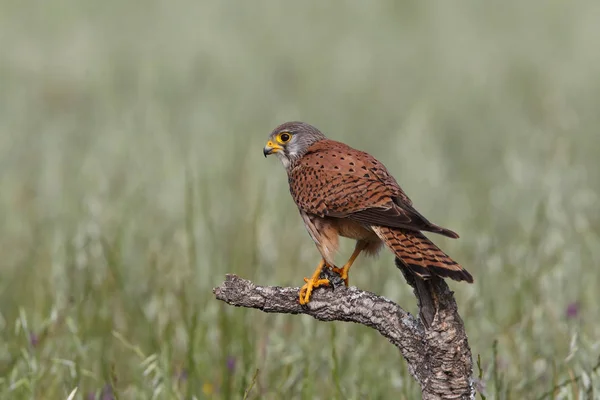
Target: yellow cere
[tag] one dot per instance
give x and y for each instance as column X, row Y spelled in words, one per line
column 274, row 146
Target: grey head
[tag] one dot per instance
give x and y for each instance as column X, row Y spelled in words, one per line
column 290, row 141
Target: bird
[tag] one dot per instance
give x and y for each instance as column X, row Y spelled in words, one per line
column 342, row 191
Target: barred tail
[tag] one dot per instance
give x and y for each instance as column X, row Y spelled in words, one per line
column 420, row 255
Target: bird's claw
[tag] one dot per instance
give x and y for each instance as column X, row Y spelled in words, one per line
column 310, row 284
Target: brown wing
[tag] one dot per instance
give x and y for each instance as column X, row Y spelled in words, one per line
column 333, row 179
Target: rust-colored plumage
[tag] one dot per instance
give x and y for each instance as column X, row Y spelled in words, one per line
column 341, row 191
column 420, row 255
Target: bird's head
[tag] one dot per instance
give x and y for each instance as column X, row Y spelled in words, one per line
column 291, row 140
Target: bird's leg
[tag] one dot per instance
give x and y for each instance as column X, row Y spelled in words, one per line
column 360, row 246
column 314, row 282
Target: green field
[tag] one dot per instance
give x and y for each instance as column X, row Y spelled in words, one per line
column 132, row 180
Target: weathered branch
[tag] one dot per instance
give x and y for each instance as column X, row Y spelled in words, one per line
column 434, row 346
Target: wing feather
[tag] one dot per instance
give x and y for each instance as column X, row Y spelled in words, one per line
column 335, row 180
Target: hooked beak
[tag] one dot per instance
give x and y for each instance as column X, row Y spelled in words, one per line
column 271, row 148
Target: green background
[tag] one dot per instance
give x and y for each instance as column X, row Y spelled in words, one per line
column 132, row 180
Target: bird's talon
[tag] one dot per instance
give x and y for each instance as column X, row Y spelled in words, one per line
column 321, row 282
column 306, row 290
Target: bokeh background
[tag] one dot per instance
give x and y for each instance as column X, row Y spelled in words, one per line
column 132, row 180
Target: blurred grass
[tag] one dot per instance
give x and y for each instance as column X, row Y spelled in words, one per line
column 132, row 180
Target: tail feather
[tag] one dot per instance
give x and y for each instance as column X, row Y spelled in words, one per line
column 420, row 255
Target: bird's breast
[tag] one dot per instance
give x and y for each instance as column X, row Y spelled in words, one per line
column 354, row 230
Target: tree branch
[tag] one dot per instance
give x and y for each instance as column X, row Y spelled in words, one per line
column 434, row 346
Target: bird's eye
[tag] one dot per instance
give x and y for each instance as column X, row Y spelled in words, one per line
column 284, row 137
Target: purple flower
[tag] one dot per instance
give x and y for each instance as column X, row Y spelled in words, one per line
column 182, row 375
column 231, row 363
column 34, row 340
column 106, row 394
column 480, row 386
column 572, row 310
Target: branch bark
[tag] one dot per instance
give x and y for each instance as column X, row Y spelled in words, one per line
column 434, row 345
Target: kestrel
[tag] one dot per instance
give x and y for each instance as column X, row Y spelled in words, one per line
column 341, row 191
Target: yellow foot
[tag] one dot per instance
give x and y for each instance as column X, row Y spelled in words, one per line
column 342, row 272
column 306, row 290
column 311, row 283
